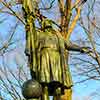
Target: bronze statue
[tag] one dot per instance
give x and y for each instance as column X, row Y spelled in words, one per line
column 46, row 50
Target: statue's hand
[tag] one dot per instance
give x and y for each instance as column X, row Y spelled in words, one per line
column 86, row 50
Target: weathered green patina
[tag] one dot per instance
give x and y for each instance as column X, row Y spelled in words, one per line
column 46, row 53
column 50, row 57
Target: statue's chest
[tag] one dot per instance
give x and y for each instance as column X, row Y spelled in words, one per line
column 49, row 40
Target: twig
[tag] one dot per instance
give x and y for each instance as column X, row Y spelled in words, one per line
column 14, row 13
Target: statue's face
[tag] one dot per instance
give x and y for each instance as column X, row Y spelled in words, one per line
column 46, row 23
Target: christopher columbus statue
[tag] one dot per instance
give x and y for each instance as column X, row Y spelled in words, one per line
column 47, row 52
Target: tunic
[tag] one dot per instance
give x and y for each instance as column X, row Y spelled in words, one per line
column 51, row 64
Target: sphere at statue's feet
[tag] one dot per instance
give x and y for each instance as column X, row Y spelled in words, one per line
column 31, row 89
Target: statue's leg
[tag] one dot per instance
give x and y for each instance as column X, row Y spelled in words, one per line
column 57, row 95
column 45, row 95
column 67, row 94
column 57, row 98
column 32, row 99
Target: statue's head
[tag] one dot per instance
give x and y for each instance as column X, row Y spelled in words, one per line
column 46, row 23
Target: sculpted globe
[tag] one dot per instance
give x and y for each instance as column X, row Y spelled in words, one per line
column 31, row 89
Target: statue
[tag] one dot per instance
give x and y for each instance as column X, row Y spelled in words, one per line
column 46, row 50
